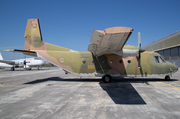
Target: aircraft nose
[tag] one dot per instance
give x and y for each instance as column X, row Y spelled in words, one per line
column 174, row 68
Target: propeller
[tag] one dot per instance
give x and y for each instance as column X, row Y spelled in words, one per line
column 25, row 62
column 140, row 50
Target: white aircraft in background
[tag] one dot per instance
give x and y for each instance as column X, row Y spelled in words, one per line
column 25, row 63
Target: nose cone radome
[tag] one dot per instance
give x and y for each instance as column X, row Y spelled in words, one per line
column 176, row 68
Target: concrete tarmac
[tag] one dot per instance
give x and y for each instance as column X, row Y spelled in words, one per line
column 50, row 94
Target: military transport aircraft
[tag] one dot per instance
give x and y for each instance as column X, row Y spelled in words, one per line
column 108, row 56
column 25, row 63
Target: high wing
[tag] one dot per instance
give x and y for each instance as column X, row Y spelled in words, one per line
column 109, row 41
column 7, row 62
column 25, row 52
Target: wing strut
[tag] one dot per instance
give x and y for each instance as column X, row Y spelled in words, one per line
column 100, row 63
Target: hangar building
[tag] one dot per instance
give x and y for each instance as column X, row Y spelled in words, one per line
column 168, row 47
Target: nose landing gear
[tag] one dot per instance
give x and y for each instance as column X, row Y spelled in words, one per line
column 12, row 68
column 167, row 78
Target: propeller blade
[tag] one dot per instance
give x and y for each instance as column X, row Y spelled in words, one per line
column 139, row 60
column 140, row 49
column 25, row 62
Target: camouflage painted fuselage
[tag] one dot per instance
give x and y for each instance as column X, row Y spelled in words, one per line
column 85, row 63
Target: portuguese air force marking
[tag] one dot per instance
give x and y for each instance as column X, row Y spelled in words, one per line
column 61, row 60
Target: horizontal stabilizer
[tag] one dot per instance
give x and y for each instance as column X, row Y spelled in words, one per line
column 7, row 62
column 25, row 52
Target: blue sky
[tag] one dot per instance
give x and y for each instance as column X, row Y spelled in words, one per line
column 69, row 23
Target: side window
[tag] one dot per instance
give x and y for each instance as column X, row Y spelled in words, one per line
column 129, row 61
column 120, row 61
column 156, row 59
column 84, row 61
column 111, row 61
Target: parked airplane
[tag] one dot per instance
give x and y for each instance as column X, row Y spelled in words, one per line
column 25, row 63
column 108, row 57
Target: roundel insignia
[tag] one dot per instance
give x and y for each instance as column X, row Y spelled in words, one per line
column 62, row 60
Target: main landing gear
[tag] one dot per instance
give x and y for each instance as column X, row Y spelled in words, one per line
column 107, row 78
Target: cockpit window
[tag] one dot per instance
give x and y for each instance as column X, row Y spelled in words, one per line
column 158, row 59
column 161, row 59
column 37, row 59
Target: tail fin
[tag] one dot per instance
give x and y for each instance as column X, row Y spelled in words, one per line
column 33, row 36
column 1, row 58
column 34, row 39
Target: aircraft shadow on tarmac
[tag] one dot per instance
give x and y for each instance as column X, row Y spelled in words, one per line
column 21, row 69
column 120, row 91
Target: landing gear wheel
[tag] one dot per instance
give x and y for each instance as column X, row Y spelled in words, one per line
column 107, row 78
column 167, row 78
column 12, row 68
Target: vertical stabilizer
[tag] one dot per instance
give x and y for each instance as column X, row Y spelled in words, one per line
column 1, row 58
column 33, row 36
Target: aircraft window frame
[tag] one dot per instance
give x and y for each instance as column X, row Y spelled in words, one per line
column 162, row 60
column 158, row 59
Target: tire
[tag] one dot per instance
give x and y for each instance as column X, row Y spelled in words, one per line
column 107, row 78
column 12, row 68
column 167, row 78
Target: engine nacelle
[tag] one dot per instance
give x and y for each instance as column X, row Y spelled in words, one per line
column 129, row 52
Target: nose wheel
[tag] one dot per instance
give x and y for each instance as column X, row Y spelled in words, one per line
column 167, row 77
